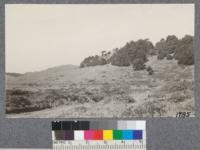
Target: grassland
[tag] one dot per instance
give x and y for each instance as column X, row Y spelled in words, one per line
column 102, row 91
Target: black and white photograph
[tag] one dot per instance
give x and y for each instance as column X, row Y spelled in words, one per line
column 99, row 60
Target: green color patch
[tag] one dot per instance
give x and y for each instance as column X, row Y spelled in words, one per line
column 117, row 134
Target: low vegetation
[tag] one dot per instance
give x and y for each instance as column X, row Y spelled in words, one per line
column 24, row 101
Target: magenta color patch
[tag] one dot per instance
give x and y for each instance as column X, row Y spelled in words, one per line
column 88, row 135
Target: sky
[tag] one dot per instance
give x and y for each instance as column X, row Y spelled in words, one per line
column 40, row 36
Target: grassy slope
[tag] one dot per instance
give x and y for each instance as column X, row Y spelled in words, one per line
column 124, row 92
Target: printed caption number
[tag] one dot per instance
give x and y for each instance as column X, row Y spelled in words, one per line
column 183, row 114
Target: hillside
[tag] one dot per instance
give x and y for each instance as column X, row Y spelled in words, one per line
column 102, row 91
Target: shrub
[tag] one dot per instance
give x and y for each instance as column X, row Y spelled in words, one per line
column 102, row 61
column 162, row 49
column 18, row 101
column 131, row 51
column 123, row 56
column 120, row 58
column 185, row 51
column 171, row 42
column 161, row 55
column 178, row 97
column 166, row 47
column 140, row 50
column 179, row 86
column 97, row 98
column 169, row 57
column 125, row 98
column 151, row 108
column 138, row 64
column 128, row 99
column 147, row 109
column 93, row 61
column 182, row 49
column 152, row 51
column 150, row 70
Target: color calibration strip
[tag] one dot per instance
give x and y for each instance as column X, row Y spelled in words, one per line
column 99, row 135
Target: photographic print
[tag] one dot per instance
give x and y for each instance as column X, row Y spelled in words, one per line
column 99, row 60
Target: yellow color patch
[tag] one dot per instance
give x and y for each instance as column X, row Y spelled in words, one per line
column 107, row 134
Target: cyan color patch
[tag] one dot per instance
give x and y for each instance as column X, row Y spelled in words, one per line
column 127, row 134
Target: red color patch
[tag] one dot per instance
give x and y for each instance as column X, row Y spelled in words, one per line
column 98, row 135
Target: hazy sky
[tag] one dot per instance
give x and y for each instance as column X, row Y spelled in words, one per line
column 42, row 36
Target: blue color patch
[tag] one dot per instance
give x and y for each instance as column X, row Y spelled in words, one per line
column 137, row 134
column 127, row 135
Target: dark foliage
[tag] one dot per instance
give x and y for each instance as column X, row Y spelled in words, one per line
column 185, row 51
column 123, row 56
column 162, row 49
column 152, row 52
column 169, row 57
column 150, row 70
column 93, row 61
column 135, row 53
column 161, row 55
column 126, row 55
column 182, row 50
column 166, row 46
column 171, row 42
column 138, row 64
column 18, row 101
column 120, row 58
